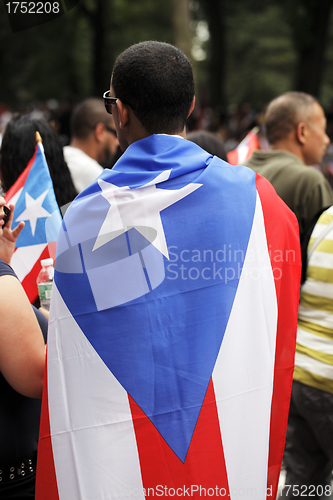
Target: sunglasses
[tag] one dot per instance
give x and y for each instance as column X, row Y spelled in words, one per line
column 109, row 101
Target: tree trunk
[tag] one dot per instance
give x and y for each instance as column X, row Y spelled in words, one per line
column 97, row 17
column 215, row 12
column 100, row 80
column 181, row 26
column 310, row 29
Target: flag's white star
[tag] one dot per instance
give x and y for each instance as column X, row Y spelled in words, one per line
column 139, row 208
column 33, row 210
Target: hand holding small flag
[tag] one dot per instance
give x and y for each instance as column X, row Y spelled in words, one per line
column 35, row 203
column 9, row 237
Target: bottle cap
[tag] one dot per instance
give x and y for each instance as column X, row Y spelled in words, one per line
column 47, row 262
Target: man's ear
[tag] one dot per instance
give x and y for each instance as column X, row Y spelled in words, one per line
column 301, row 132
column 123, row 113
column 99, row 132
column 192, row 106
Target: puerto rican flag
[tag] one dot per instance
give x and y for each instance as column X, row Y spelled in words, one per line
column 245, row 148
column 172, row 332
column 35, row 203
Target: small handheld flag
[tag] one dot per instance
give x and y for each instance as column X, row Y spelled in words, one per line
column 245, row 148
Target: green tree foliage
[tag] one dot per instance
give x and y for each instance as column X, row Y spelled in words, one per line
column 41, row 62
column 72, row 56
column 256, row 49
column 250, row 53
column 259, row 49
column 261, row 58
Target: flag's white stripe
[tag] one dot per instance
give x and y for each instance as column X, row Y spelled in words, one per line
column 16, row 196
column 313, row 341
column 242, row 151
column 243, row 374
column 94, row 447
column 313, row 365
column 24, row 259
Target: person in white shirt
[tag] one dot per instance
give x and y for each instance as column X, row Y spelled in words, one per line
column 93, row 142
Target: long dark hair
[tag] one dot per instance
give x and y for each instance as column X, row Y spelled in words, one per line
column 18, row 146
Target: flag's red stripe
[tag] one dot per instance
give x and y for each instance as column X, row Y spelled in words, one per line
column 21, row 180
column 287, row 269
column 232, row 157
column 46, row 482
column 29, row 282
column 204, row 465
column 252, row 143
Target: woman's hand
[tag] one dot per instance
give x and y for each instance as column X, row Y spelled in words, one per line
column 8, row 237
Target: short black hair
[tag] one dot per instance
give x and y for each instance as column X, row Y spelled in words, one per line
column 156, row 80
column 285, row 112
column 86, row 115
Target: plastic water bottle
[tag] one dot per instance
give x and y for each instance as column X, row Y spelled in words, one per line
column 45, row 282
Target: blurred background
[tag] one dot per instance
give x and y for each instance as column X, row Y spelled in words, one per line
column 244, row 53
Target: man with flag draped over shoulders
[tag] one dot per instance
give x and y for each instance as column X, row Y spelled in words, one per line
column 173, row 314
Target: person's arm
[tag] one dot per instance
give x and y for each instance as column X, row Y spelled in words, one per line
column 22, row 347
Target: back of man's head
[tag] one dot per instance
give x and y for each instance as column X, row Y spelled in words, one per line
column 285, row 112
column 156, row 80
column 86, row 116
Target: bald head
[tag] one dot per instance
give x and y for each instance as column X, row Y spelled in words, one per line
column 285, row 112
column 296, row 122
column 93, row 130
column 87, row 115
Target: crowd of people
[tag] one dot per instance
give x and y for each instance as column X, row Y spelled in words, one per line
column 138, row 353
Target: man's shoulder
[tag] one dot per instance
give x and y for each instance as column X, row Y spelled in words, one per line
column 75, row 155
column 263, row 161
column 315, row 174
column 73, row 152
column 263, row 158
column 83, row 169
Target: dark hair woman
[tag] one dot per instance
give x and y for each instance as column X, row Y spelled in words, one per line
column 18, row 146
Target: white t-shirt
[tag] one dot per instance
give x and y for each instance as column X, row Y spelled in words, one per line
column 84, row 169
